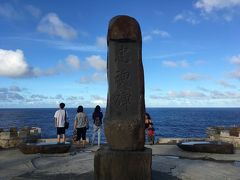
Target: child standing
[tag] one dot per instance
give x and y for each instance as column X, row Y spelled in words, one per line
column 151, row 133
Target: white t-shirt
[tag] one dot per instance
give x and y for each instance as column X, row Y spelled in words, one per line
column 60, row 116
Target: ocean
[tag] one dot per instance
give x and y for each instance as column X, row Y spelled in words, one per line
column 168, row 122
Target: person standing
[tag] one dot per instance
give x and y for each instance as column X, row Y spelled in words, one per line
column 147, row 120
column 151, row 134
column 81, row 123
column 60, row 117
column 97, row 123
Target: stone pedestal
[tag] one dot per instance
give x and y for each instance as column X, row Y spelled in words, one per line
column 122, row 165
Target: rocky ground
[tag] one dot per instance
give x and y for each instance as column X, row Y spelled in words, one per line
column 168, row 162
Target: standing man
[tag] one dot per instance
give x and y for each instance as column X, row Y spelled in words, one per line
column 60, row 117
column 97, row 122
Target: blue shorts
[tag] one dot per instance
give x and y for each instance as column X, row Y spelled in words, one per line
column 60, row 130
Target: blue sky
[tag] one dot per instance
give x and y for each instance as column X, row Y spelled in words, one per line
column 55, row 51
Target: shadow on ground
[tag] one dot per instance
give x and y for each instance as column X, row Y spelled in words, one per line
column 86, row 176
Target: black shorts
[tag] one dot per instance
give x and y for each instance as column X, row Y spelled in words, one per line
column 60, row 130
column 81, row 133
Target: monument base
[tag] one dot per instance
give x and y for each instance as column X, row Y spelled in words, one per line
column 118, row 165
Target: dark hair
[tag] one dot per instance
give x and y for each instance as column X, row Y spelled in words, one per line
column 80, row 109
column 62, row 105
column 151, row 123
column 97, row 108
column 148, row 116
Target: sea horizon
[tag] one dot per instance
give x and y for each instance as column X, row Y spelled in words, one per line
column 215, row 107
column 186, row 122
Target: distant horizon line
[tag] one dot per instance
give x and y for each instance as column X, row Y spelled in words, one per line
column 105, row 107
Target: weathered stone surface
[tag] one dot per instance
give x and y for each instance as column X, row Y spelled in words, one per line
column 5, row 135
column 124, row 119
column 13, row 132
column 234, row 131
column 13, row 129
column 24, row 133
column 44, row 148
column 117, row 165
column 210, row 147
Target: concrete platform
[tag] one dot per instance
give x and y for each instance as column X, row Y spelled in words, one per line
column 168, row 163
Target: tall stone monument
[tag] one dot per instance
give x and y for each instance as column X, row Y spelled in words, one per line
column 125, row 157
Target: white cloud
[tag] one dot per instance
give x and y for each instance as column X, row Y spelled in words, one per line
column 73, row 46
column 8, row 11
column 102, row 101
column 183, row 63
column 203, row 89
column 188, row 17
column 156, row 89
column 179, row 17
column 94, row 78
column 54, row 26
column 155, row 33
column 235, row 74
column 154, row 97
column 235, row 59
column 199, row 62
column 177, row 54
column 211, row 5
column 185, row 94
column 172, row 64
column 163, row 34
column 226, row 84
column 228, row 17
column 195, row 98
column 35, row 12
column 73, row 61
column 97, row 62
column 101, row 42
column 175, row 64
column 147, row 38
column 192, row 77
column 13, row 93
column 12, row 63
column 15, row 89
column 38, row 96
column 75, row 98
column 59, row 96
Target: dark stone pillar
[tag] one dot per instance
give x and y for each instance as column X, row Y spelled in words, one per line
column 124, row 119
column 125, row 158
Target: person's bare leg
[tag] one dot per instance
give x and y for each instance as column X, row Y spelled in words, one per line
column 99, row 136
column 58, row 138
column 64, row 138
column 84, row 143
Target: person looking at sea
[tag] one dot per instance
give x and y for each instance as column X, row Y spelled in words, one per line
column 97, row 122
column 151, row 133
column 60, row 117
column 81, row 123
column 147, row 120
